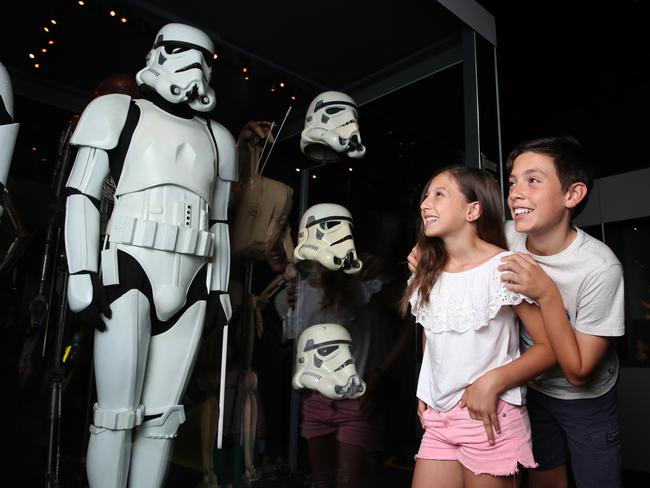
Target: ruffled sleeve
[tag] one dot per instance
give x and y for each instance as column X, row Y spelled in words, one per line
column 500, row 295
column 460, row 302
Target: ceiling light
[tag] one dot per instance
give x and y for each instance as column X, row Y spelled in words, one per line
column 53, row 21
column 31, row 56
column 36, row 65
column 81, row 2
column 46, row 29
column 43, row 50
column 123, row 20
column 50, row 42
column 112, row 13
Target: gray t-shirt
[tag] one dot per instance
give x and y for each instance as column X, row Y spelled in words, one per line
column 590, row 280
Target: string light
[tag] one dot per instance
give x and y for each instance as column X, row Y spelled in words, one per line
column 123, row 20
column 81, row 3
column 313, row 176
column 34, row 148
column 31, row 55
column 43, row 50
column 215, row 56
column 350, row 169
column 282, row 84
column 246, row 78
column 36, row 65
column 53, row 21
column 46, row 29
column 293, row 97
column 297, row 170
column 244, row 70
column 112, row 13
column 50, row 42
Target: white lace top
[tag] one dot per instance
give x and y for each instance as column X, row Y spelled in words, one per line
column 470, row 329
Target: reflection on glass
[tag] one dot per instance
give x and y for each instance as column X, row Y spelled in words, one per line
column 630, row 241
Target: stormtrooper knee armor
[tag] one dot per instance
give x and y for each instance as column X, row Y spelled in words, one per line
column 164, row 266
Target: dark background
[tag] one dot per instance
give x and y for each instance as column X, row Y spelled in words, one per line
column 564, row 67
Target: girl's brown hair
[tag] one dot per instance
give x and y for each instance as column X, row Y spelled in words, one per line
column 476, row 185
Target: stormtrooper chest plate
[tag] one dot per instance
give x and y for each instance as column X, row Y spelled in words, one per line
column 168, row 150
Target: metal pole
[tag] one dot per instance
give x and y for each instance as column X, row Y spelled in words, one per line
column 294, row 411
column 56, row 386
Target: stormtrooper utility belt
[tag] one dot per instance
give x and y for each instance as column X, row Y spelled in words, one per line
column 161, row 236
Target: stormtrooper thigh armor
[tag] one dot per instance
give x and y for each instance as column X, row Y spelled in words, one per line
column 161, row 258
column 8, row 128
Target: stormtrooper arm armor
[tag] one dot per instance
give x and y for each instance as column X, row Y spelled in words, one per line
column 226, row 174
column 98, row 130
column 8, row 128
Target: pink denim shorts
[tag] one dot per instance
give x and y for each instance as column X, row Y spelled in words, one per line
column 322, row 416
column 455, row 436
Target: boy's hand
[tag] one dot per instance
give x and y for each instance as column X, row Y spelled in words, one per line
column 413, row 258
column 523, row 275
column 480, row 399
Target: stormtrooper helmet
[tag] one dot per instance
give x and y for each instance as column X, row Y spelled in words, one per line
column 179, row 67
column 331, row 128
column 324, row 363
column 325, row 237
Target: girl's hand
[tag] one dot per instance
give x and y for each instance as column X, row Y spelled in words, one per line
column 480, row 399
column 523, row 275
column 421, row 408
column 413, row 259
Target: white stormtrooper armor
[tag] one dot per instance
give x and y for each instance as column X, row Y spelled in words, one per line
column 8, row 128
column 325, row 236
column 324, row 363
column 164, row 269
column 331, row 128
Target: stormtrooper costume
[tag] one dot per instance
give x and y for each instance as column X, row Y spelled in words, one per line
column 331, row 128
column 8, row 128
column 164, row 266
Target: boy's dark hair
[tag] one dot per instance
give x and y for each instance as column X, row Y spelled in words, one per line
column 568, row 158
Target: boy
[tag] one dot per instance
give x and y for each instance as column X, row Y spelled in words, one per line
column 578, row 283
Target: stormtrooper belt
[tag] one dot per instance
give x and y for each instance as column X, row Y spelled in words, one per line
column 158, row 235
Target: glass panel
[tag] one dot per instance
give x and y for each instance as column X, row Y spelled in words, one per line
column 630, row 241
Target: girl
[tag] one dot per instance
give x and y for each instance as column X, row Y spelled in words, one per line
column 469, row 319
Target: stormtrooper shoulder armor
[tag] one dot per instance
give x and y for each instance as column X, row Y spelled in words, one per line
column 102, row 122
column 226, row 151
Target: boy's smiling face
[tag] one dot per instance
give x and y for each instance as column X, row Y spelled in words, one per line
column 536, row 199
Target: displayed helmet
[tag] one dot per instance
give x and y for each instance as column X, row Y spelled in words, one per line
column 331, row 128
column 325, row 236
column 179, row 67
column 324, row 363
